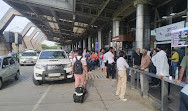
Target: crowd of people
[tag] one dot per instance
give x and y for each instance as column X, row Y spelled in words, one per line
column 155, row 61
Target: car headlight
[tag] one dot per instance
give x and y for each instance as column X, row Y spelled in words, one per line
column 68, row 65
column 39, row 67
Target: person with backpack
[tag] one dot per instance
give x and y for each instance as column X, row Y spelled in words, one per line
column 79, row 68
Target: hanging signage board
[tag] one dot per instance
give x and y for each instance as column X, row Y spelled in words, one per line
column 179, row 38
column 164, row 33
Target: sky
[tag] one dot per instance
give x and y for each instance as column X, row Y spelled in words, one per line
column 18, row 23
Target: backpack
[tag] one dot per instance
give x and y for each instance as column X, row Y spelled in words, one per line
column 78, row 68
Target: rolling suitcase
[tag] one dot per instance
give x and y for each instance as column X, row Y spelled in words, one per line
column 79, row 95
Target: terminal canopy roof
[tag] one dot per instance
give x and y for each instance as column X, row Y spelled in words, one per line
column 68, row 21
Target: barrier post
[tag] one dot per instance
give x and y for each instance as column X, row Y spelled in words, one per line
column 137, row 79
column 132, row 79
column 164, row 96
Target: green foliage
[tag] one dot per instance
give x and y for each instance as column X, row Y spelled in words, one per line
column 48, row 47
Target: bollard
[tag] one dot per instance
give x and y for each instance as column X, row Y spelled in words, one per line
column 164, row 95
column 132, row 79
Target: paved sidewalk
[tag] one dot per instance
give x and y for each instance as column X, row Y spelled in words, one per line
column 103, row 90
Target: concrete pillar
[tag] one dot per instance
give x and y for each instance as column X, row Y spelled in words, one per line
column 115, row 31
column 99, row 40
column 76, row 46
column 89, row 43
column 72, row 47
column 92, row 43
column 80, row 44
column 84, row 43
column 143, row 31
column 109, row 38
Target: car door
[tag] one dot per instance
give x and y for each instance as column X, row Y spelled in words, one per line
column 5, row 69
column 12, row 66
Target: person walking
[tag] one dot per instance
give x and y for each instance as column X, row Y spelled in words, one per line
column 122, row 76
column 109, row 61
column 175, row 60
column 88, row 60
column 145, row 62
column 137, row 58
column 80, row 79
column 84, row 53
column 101, row 54
column 93, row 58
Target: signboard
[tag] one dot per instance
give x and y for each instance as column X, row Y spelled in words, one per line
column 9, row 36
column 18, row 38
column 179, row 37
column 164, row 33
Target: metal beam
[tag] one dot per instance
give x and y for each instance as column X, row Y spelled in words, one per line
column 125, row 5
column 37, row 14
column 57, row 20
column 99, row 13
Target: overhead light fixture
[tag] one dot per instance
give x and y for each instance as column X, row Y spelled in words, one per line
column 172, row 14
column 164, row 17
column 184, row 16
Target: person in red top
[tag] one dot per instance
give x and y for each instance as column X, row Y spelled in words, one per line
column 75, row 54
column 93, row 58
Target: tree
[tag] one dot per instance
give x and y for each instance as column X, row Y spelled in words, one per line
column 44, row 46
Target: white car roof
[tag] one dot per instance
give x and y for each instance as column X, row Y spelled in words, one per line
column 1, row 57
column 53, row 50
column 30, row 51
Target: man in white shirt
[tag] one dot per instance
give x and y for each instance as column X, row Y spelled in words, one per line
column 160, row 61
column 109, row 61
column 122, row 76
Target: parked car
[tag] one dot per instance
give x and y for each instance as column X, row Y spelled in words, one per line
column 29, row 57
column 14, row 55
column 9, row 68
column 52, row 65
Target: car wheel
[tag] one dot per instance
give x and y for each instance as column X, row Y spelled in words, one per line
column 17, row 75
column 1, row 83
column 36, row 82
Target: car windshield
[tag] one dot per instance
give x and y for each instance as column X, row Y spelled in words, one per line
column 29, row 54
column 53, row 55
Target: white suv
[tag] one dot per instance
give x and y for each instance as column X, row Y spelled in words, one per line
column 28, row 58
column 52, row 65
column 9, row 68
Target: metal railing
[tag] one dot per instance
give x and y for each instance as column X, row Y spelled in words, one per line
column 164, row 85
